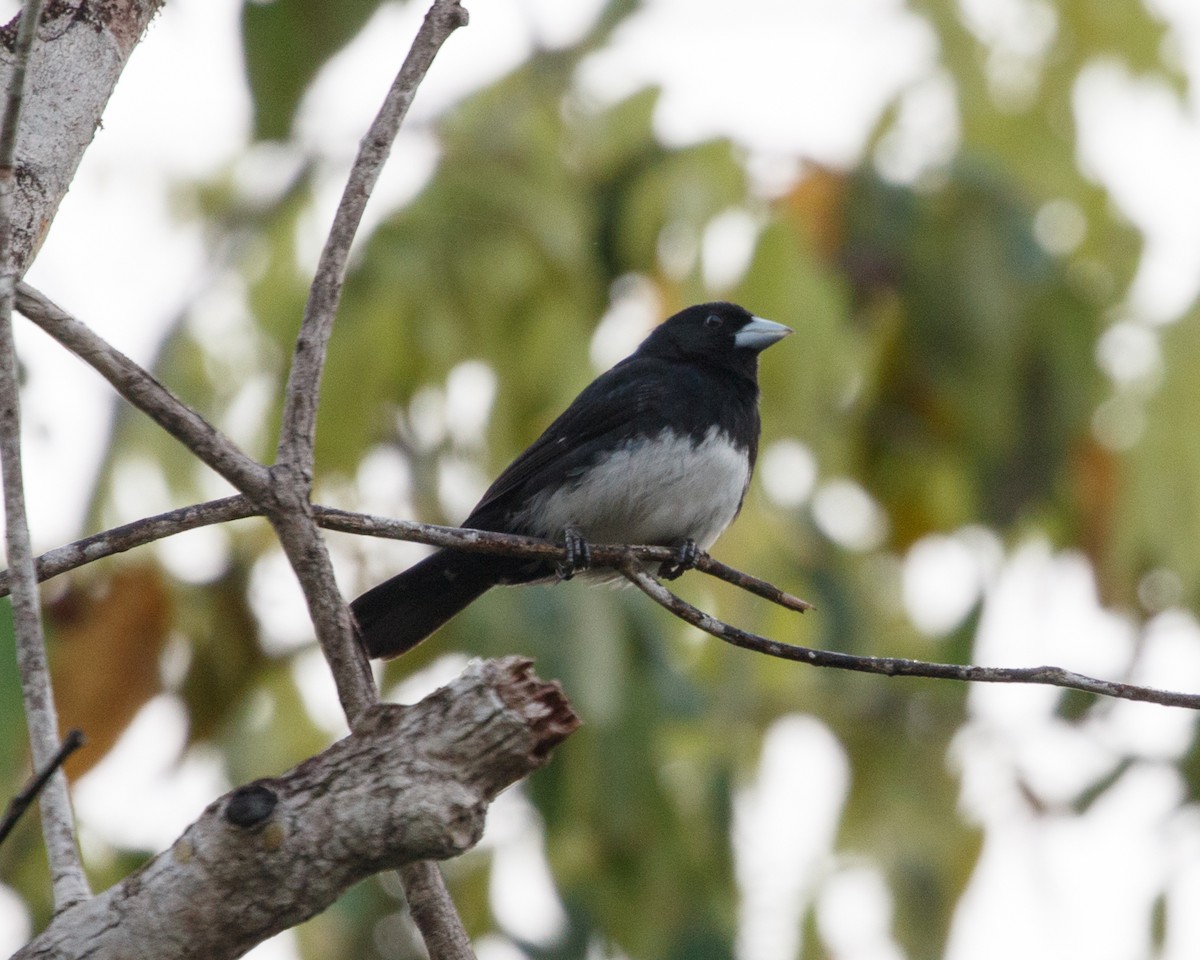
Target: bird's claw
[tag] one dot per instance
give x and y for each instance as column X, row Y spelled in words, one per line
column 686, row 557
column 579, row 554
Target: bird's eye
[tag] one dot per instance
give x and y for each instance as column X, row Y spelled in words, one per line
column 712, row 321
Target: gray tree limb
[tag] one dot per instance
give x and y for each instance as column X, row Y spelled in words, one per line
column 66, row 869
column 411, row 783
column 143, row 390
column 85, row 46
column 282, row 492
column 53, row 139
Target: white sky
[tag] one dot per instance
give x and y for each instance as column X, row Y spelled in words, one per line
column 1048, row 886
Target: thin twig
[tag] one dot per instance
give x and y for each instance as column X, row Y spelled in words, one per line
column 20, row 803
column 142, row 389
column 896, row 666
column 483, row 541
column 290, row 512
column 97, row 546
column 760, row 588
column 81, row 552
column 304, row 380
column 69, row 881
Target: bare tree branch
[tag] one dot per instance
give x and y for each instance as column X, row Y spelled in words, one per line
column 81, row 552
column 140, row 388
column 331, row 618
column 290, row 510
column 37, row 782
column 304, row 380
column 141, row 532
column 282, row 492
column 410, row 783
column 58, row 827
column 433, row 911
column 896, row 666
column 483, row 541
column 277, row 493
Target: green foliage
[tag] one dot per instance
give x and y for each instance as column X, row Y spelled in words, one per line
column 985, row 377
column 12, row 716
column 1158, row 495
column 285, row 43
column 945, row 362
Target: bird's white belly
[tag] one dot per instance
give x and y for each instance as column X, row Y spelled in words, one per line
column 662, row 491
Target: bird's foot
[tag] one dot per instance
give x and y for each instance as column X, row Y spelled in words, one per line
column 579, row 554
column 686, row 557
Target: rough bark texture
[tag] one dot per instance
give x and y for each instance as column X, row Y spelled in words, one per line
column 411, row 783
column 54, row 93
column 84, row 47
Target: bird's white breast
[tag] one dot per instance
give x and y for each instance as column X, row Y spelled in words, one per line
column 660, row 490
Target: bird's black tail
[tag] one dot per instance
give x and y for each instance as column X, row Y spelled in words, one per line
column 401, row 612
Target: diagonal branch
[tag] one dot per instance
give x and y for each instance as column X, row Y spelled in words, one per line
column 290, row 510
column 484, row 541
column 69, row 881
column 143, row 390
column 291, row 513
column 896, row 666
column 304, row 380
column 80, row 553
column 274, row 493
column 138, row 533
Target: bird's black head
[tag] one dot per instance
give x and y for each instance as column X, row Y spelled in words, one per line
column 718, row 333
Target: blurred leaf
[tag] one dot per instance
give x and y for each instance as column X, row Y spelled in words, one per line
column 1082, row 803
column 1158, row 509
column 986, row 378
column 226, row 660
column 285, row 43
column 108, row 638
column 895, row 779
column 14, row 744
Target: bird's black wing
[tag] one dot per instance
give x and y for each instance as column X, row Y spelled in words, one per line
column 610, row 410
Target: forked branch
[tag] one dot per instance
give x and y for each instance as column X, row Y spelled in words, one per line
column 281, row 492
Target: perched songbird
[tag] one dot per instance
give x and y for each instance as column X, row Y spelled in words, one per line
column 658, row 450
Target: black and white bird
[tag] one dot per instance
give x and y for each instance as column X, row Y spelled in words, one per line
column 657, row 450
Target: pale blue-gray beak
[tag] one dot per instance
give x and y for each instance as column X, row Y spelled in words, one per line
column 759, row 334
